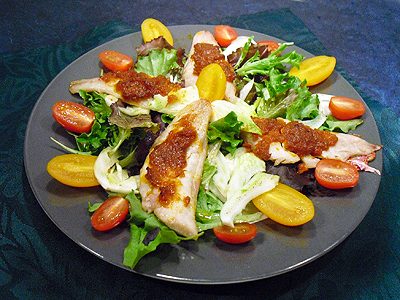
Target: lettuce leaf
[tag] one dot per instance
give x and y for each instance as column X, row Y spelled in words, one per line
column 333, row 124
column 147, row 233
column 256, row 66
column 305, row 107
column 243, row 111
column 157, row 62
column 227, row 130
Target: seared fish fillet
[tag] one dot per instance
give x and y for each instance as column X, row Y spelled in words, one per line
column 346, row 147
column 188, row 76
column 94, row 85
column 130, row 86
column 170, row 177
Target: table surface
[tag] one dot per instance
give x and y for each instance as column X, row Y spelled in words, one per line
column 364, row 36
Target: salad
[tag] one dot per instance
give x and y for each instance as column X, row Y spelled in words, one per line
column 185, row 143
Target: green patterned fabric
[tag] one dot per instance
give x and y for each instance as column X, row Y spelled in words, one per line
column 38, row 261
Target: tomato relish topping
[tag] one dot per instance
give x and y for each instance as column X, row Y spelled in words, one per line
column 295, row 136
column 167, row 161
column 135, row 87
column 205, row 54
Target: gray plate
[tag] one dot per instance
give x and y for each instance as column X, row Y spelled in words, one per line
column 275, row 250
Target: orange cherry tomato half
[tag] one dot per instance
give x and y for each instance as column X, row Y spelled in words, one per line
column 74, row 117
column 115, row 61
column 336, row 174
column 225, row 34
column 239, row 234
column 110, row 214
column 285, row 205
column 344, row 108
column 271, row 45
column 73, row 169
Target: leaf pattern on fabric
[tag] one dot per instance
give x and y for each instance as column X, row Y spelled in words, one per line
column 27, row 267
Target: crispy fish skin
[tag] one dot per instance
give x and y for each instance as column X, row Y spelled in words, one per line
column 179, row 212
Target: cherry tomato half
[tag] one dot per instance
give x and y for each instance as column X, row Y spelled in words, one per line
column 152, row 28
column 239, row 234
column 74, row 117
column 271, row 45
column 73, row 170
column 336, row 174
column 211, row 82
column 115, row 61
column 315, row 69
column 344, row 108
column 224, row 34
column 110, row 214
column 285, row 205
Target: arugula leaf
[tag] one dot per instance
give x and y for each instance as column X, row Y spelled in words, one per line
column 333, row 124
column 147, row 232
column 157, row 62
column 227, row 130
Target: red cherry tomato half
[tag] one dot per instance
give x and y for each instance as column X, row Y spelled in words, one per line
column 336, row 174
column 272, row 45
column 239, row 234
column 344, row 108
column 225, row 34
column 73, row 116
column 115, row 61
column 110, row 214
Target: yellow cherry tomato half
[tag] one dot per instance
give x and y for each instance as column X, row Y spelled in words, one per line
column 211, row 83
column 285, row 206
column 73, row 170
column 152, row 28
column 315, row 69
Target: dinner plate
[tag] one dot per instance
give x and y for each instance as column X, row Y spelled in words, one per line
column 276, row 249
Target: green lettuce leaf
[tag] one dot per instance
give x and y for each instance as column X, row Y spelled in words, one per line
column 157, row 62
column 96, row 102
column 256, row 66
column 147, row 233
column 227, row 130
column 305, row 107
column 333, row 124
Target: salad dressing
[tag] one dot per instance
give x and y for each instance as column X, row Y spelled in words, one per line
column 205, row 54
column 167, row 162
column 135, row 87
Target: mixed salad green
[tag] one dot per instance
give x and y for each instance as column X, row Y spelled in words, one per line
column 122, row 134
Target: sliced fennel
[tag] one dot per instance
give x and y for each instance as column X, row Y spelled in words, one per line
column 111, row 176
column 238, row 179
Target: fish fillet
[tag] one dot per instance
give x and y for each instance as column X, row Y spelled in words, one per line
column 188, row 76
column 346, row 147
column 168, row 183
column 94, row 85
